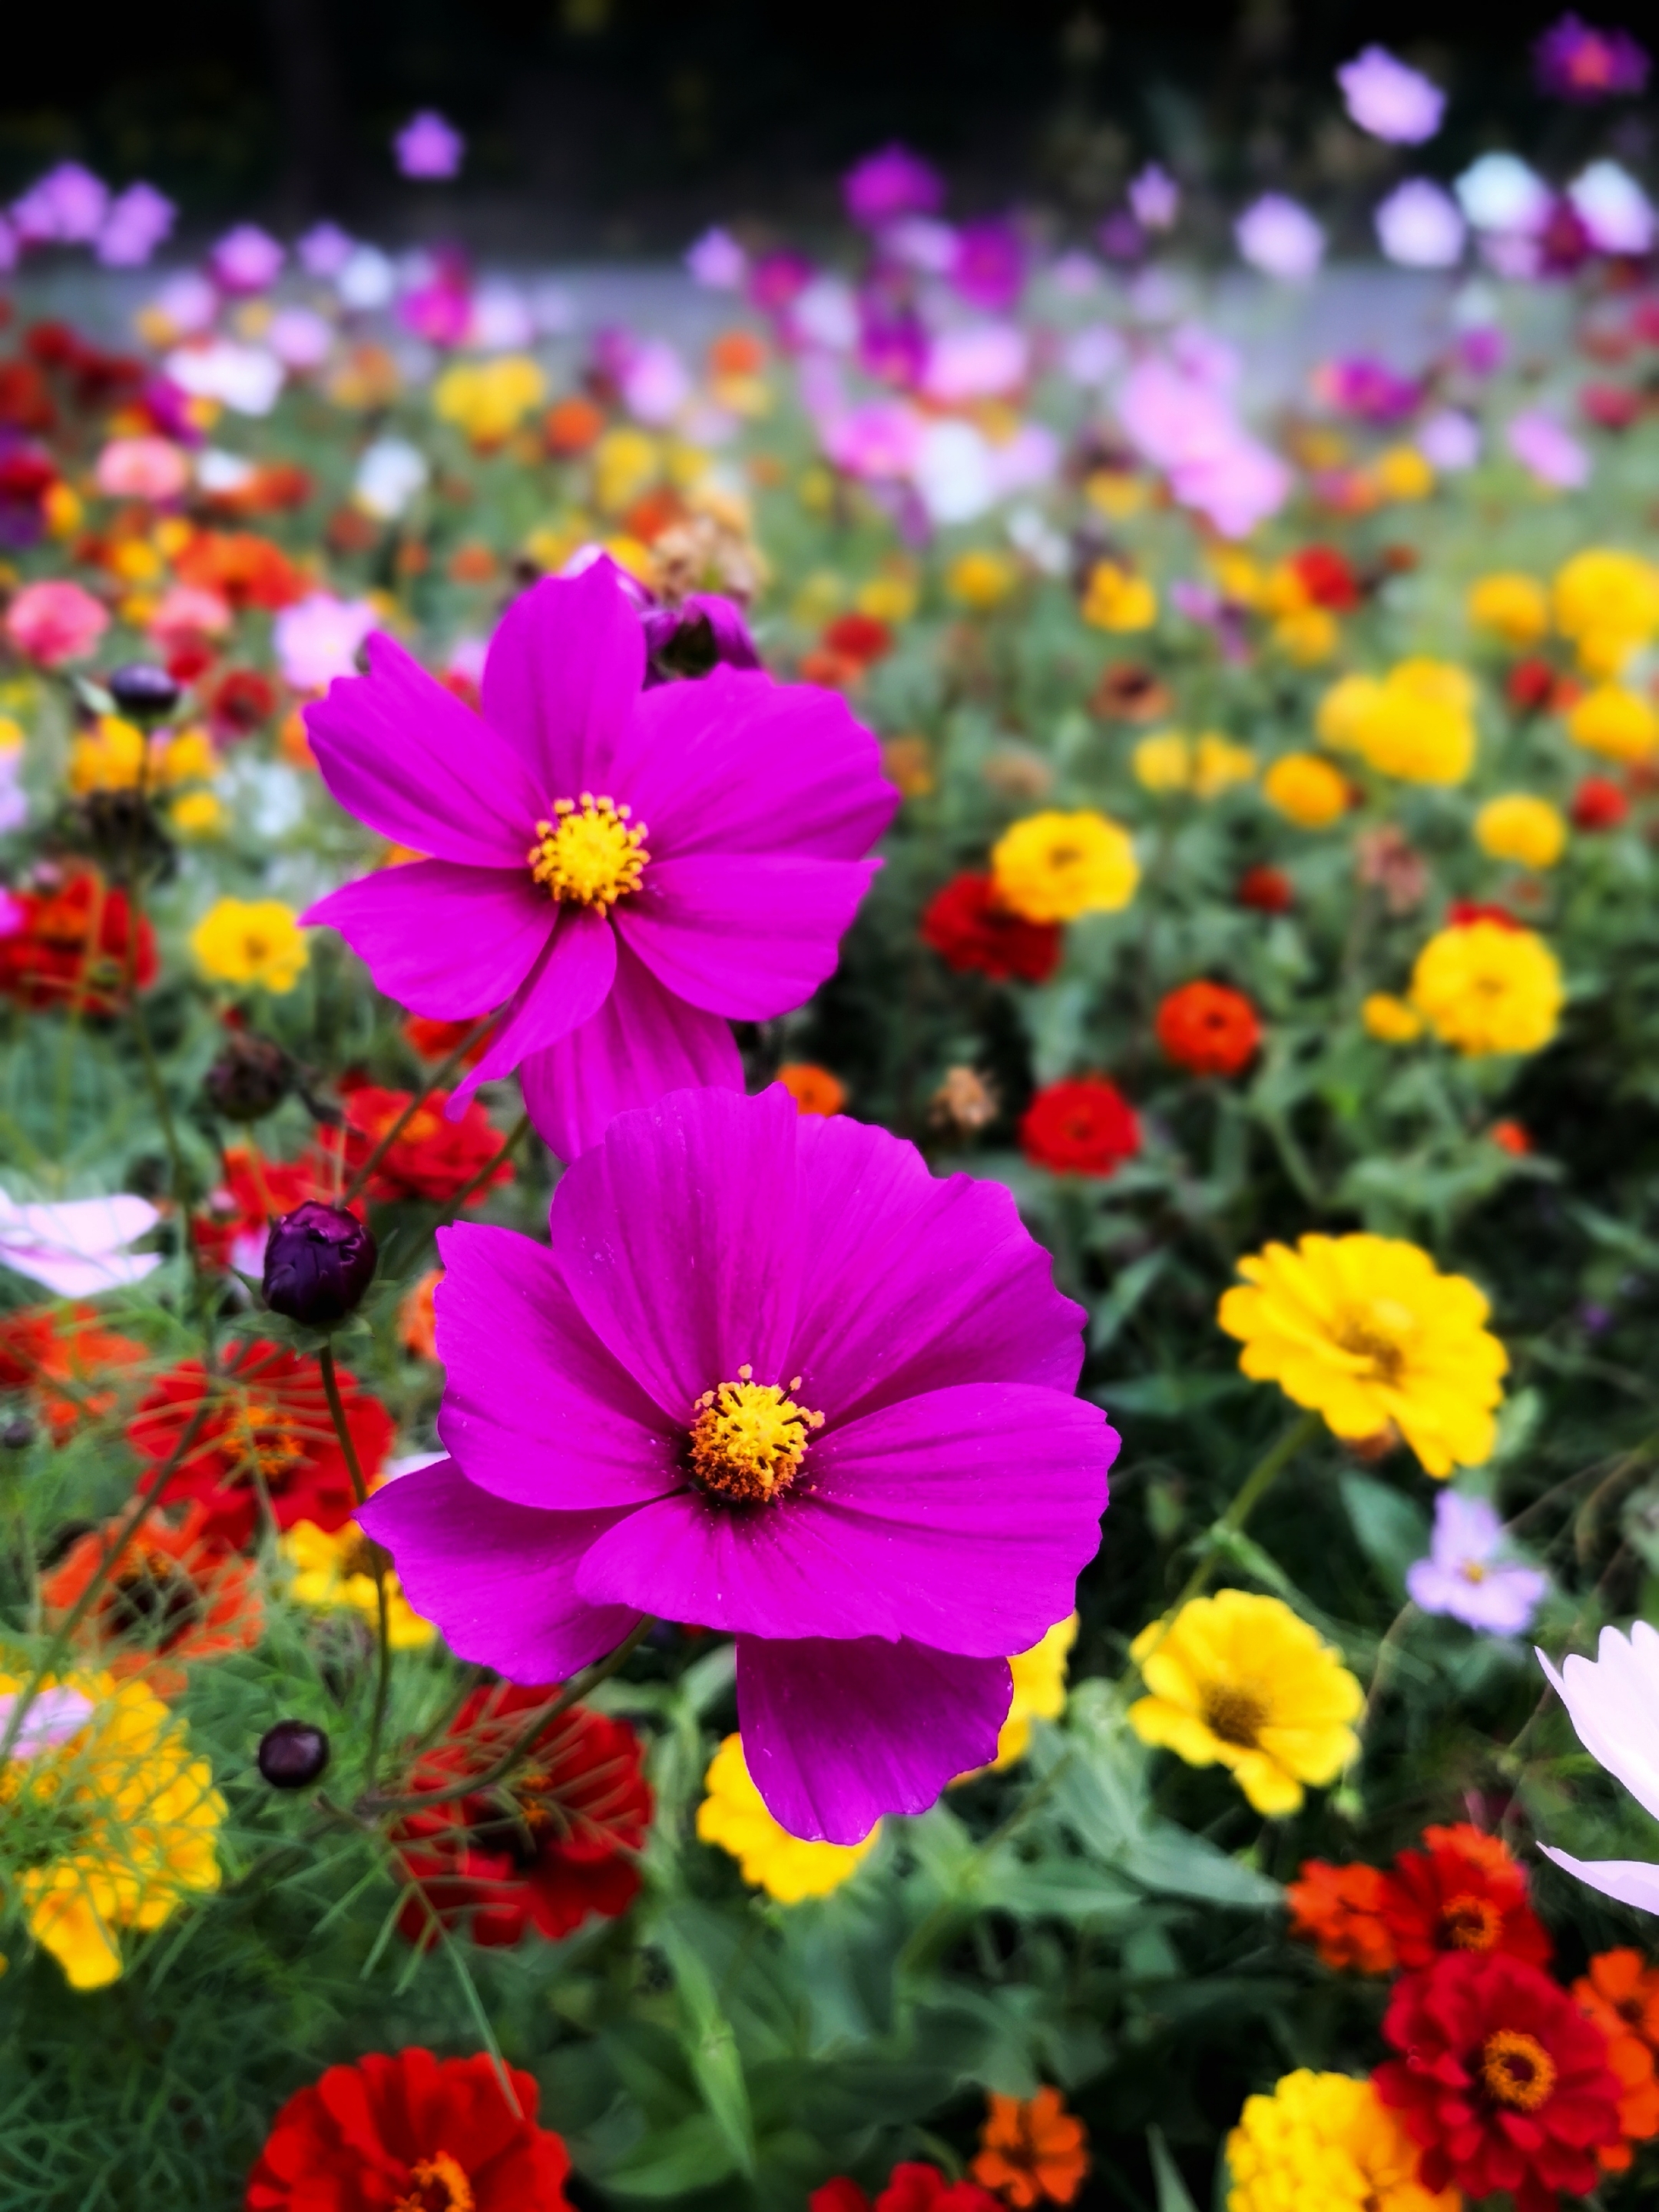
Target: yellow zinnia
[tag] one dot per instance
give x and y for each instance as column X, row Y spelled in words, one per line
column 1608, row 603
column 1116, row 600
column 981, row 580
column 625, row 463
column 1325, row 2143
column 488, row 400
column 1618, row 724
column 1240, row 1681
column 250, row 941
column 734, row 1816
column 1309, row 791
column 1343, row 710
column 1366, row 1332
column 1520, row 828
column 1513, row 607
column 1483, row 988
column 1168, row 760
column 334, row 1571
column 1054, row 866
column 1402, row 473
column 110, row 1827
column 1390, row 1020
column 110, row 756
column 1419, row 724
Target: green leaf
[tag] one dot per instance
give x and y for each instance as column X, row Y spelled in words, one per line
column 694, row 2154
column 712, row 2046
column 1168, row 1397
column 1173, row 2195
column 1392, row 1529
column 1173, row 1860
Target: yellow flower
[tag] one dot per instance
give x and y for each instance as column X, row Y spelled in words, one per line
column 1621, row 725
column 188, row 758
column 1485, row 988
column 111, row 1828
column 197, row 814
column 334, row 1572
column 488, row 400
column 63, row 510
column 624, row 462
column 1343, row 710
column 1420, row 725
column 1520, row 828
column 1205, row 765
column 1325, row 2143
column 1039, row 1689
column 1116, row 600
column 733, row 1815
column 981, row 580
column 1366, row 1332
column 110, row 756
column 1053, row 866
column 1516, row 608
column 888, row 598
column 1116, row 493
column 1608, row 603
column 1238, row 577
column 1163, row 762
column 1306, row 789
column 1390, row 1020
column 1308, row 635
column 1239, row 1680
column 1402, row 473
column 250, row 941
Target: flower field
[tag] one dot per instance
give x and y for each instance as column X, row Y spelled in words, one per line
column 829, row 1215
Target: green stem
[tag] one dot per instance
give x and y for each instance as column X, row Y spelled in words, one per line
column 382, row 1601
column 416, row 1101
column 926, row 1931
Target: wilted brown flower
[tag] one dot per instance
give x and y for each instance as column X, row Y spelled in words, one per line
column 964, row 1104
column 1128, row 692
column 1383, row 859
column 1019, row 773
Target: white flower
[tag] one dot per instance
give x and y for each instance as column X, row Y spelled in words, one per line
column 243, row 377
column 827, row 313
column 389, row 474
column 1419, row 226
column 368, row 281
column 1613, row 1702
column 1614, row 209
column 76, row 1247
column 1500, row 192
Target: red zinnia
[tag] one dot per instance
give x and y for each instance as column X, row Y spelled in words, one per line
column 60, row 1355
column 858, row 638
column 1209, row 1029
column 410, row 2134
column 1327, row 578
column 969, row 929
column 1530, row 685
column 434, row 1040
column 1339, row 1909
column 1085, row 1126
column 266, row 1431
column 74, row 945
column 1505, row 2084
column 1463, row 913
column 431, row 1158
column 545, row 1848
column 240, row 702
column 1599, row 804
column 1269, row 890
column 911, row 2187
column 1465, row 1893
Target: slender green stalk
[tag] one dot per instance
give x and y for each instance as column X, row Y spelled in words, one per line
column 416, row 1102
column 382, row 1601
column 922, row 1937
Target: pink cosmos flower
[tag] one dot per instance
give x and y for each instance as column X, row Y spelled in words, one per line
column 1184, row 424
column 1546, row 450
column 1388, row 100
column 1419, row 226
column 981, row 361
column 1154, row 198
column 773, row 1377
column 319, row 638
column 246, row 259
column 428, row 147
column 53, row 1716
column 185, row 612
column 324, row 250
column 1613, row 1702
column 142, row 468
column 1616, row 212
column 621, row 872
column 1576, row 61
column 717, row 262
column 893, row 183
column 1278, row 236
column 63, row 208
column 139, row 220
column 55, row 621
column 76, row 1247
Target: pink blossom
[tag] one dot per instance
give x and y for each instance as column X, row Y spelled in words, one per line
column 1615, row 211
column 138, row 220
column 983, row 361
column 324, row 250
column 717, row 262
column 655, row 385
column 246, row 259
column 63, row 208
column 55, row 621
column 1613, row 1702
column 891, row 183
column 879, row 437
column 1186, row 428
column 1155, row 198
column 1419, row 226
column 428, row 147
column 76, row 1248
column 1390, row 101
column 1547, row 452
column 300, row 337
column 142, row 468
column 320, row 638
column 1278, row 236
column 185, row 612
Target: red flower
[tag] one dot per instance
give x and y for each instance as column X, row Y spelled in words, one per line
column 436, row 1040
column 542, row 1849
column 240, row 702
column 1327, row 578
column 1612, row 406
column 73, row 945
column 1269, row 890
column 60, row 1356
column 267, row 1430
column 252, row 1194
column 858, row 638
column 1599, row 804
column 1465, row 1893
column 1530, row 685
column 970, row 930
column 176, row 1593
column 431, row 1158
column 1463, row 913
column 1339, row 1909
column 1511, row 1137
column 1503, row 2082
column 1209, row 1029
column 911, row 2187
column 410, row 2134
column 1085, row 1126
column 243, row 567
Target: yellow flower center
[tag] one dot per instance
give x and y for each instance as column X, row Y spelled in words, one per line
column 262, row 1441
column 1473, row 1571
column 1516, row 2070
column 748, row 1439
column 437, row 2183
column 1374, row 1333
column 1236, row 1716
column 1471, row 1923
column 591, row 852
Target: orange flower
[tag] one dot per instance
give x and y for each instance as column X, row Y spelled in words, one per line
column 571, row 426
column 1631, row 2063
column 55, row 1354
column 814, row 1090
column 418, row 1319
column 176, row 1593
column 1031, row 2153
column 1339, row 1909
column 1621, row 1993
column 1209, row 1029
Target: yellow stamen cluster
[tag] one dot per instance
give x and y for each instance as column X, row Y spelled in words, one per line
column 1516, row 2070
column 592, row 852
column 438, row 2184
column 748, row 1439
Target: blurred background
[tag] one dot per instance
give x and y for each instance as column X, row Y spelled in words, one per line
column 620, row 127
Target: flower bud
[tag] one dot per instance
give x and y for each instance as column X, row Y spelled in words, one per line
column 700, row 634
column 293, row 1754
column 250, row 1078
column 320, row 1260
column 142, row 692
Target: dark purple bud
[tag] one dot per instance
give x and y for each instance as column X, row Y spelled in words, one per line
column 704, row 632
column 320, row 1260
column 250, row 1078
column 18, row 1433
column 293, row 1754
column 142, row 690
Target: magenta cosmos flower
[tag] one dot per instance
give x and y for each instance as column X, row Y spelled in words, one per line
column 623, row 871
column 773, row 1378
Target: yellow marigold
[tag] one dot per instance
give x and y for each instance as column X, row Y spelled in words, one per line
column 486, row 400
column 1514, row 607
column 1342, row 711
column 1390, row 1020
column 1367, row 1332
column 887, row 599
column 1054, row 866
column 1306, row 789
column 1116, row 600
column 1239, row 578
column 1419, row 726
column 197, row 814
column 190, row 758
column 1522, row 828
column 1239, row 1680
column 1402, row 473
column 733, row 1815
column 1483, row 988
column 1608, row 603
column 110, row 756
column 256, row 941
column 1204, row 765
column 1618, row 723
column 1308, row 635
column 333, row 1572
column 625, row 462
column 1325, row 2143
column 111, row 1825
column 981, row 580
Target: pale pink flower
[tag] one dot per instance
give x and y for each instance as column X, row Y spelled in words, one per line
column 320, row 638
column 982, row 361
column 55, row 621
column 246, row 259
column 186, row 612
column 142, row 468
column 76, row 1248
column 1613, row 1702
column 1155, row 198
column 1419, row 226
column 1388, row 100
column 717, row 262
column 1547, row 452
column 428, row 147
column 1278, row 236
column 139, row 220
column 65, row 207
column 53, row 1716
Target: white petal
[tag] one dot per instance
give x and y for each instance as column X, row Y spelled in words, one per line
column 1632, row 1881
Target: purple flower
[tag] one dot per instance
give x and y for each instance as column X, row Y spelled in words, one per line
column 1463, row 1575
column 773, row 1377
column 1278, row 236
column 884, row 186
column 704, row 633
column 1390, row 101
column 440, row 307
column 139, row 221
column 777, row 279
column 1575, row 61
column 427, row 147
column 1363, row 386
column 893, row 344
column 324, row 250
column 1121, row 237
column 717, row 262
column 66, row 207
column 1613, row 1702
column 1546, row 450
column 623, row 872
column 1450, row 439
column 1419, row 226
column 989, row 267
column 1616, row 212
column 245, row 259
column 1154, row 198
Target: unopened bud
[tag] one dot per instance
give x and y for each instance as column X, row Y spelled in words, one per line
column 293, row 1754
column 320, row 1260
column 250, row 1078
column 143, row 690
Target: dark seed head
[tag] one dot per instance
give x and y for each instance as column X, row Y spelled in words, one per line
column 320, row 1260
column 143, row 690
column 18, row 1434
column 293, row 1754
column 250, row 1078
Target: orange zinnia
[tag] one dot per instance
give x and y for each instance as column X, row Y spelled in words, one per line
column 1208, row 1028
column 1631, row 2063
column 1032, row 2151
column 176, row 1592
column 1621, row 1993
column 61, row 1356
column 1339, row 1909
column 814, row 1090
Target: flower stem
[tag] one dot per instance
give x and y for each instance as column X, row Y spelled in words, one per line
column 443, row 1075
column 382, row 1602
